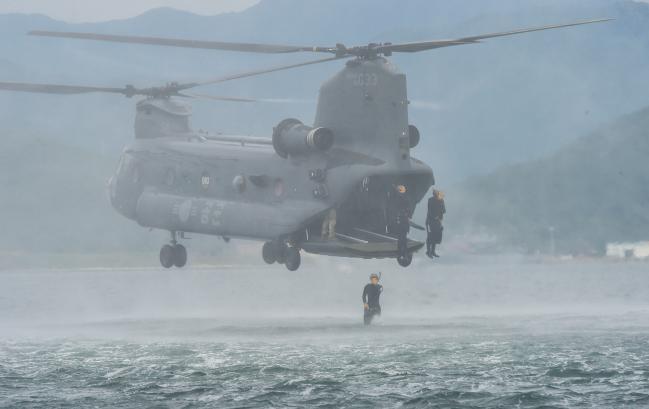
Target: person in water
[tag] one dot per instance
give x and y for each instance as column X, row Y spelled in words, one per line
column 371, row 294
column 436, row 210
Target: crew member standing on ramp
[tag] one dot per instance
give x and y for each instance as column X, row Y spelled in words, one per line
column 402, row 220
column 371, row 294
column 329, row 225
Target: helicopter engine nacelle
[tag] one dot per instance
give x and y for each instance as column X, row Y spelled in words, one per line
column 292, row 137
column 413, row 136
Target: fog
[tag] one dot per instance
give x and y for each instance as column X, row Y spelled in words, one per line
column 256, row 302
column 540, row 142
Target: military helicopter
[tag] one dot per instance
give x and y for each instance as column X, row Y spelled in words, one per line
column 280, row 189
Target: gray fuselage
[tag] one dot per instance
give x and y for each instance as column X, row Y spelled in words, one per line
column 175, row 179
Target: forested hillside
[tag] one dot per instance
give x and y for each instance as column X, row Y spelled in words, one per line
column 594, row 191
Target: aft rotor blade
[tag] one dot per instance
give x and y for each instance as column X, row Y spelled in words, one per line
column 429, row 45
column 172, row 89
column 216, row 97
column 256, row 72
column 56, row 89
column 172, row 42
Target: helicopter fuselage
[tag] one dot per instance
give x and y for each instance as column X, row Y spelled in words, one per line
column 225, row 189
column 174, row 179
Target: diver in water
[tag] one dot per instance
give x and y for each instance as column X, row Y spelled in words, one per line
column 371, row 294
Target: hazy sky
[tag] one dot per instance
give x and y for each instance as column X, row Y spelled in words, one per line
column 101, row 10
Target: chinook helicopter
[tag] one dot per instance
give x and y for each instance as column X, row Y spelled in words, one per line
column 279, row 189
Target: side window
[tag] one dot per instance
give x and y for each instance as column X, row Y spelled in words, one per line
column 205, row 180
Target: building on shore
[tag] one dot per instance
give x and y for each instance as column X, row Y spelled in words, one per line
column 637, row 250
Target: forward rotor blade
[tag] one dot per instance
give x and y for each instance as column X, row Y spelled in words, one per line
column 56, row 89
column 172, row 42
column 429, row 45
column 340, row 50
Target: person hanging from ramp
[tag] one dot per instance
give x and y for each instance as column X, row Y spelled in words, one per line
column 434, row 227
column 371, row 294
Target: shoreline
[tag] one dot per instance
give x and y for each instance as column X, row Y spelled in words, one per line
column 20, row 261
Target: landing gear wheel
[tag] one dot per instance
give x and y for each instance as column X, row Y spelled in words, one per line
column 404, row 261
column 268, row 253
column 293, row 258
column 167, row 255
column 180, row 255
column 281, row 251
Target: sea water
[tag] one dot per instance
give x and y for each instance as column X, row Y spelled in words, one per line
column 466, row 334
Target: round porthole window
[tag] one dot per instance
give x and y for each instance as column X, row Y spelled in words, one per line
column 205, row 180
column 278, row 189
column 239, row 183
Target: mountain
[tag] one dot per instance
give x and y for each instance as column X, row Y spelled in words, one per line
column 591, row 192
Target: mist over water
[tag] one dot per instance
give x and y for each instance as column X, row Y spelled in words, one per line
column 328, row 291
column 479, row 333
column 500, row 125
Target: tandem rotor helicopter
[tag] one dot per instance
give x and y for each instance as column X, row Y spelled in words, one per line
column 277, row 190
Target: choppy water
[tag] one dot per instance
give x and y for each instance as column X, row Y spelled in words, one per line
column 456, row 336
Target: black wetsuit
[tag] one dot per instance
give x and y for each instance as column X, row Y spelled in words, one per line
column 402, row 222
column 436, row 210
column 371, row 295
